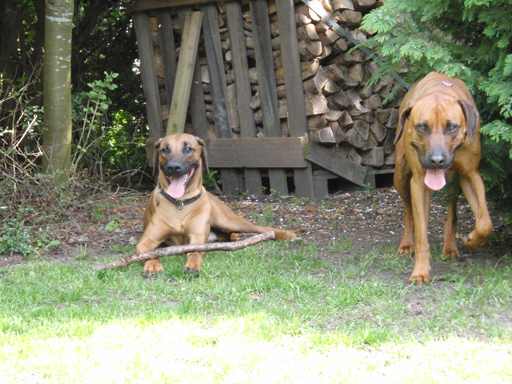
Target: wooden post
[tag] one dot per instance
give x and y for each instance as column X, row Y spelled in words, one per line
column 196, row 102
column 185, row 72
column 148, row 74
column 218, row 88
column 267, row 84
column 297, row 120
column 243, row 87
column 168, row 51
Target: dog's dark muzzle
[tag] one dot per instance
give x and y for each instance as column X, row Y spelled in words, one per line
column 436, row 158
column 175, row 167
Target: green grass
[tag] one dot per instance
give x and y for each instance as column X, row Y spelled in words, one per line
column 271, row 313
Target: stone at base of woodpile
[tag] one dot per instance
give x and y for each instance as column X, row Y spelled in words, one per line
column 373, row 158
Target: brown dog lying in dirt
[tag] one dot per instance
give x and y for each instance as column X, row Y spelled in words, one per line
column 437, row 136
column 180, row 211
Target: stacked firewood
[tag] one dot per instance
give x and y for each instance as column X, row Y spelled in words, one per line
column 343, row 113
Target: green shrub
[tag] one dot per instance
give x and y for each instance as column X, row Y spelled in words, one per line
column 16, row 238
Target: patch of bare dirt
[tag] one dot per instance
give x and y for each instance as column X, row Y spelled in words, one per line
column 368, row 219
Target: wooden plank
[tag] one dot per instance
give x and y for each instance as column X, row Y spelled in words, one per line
column 144, row 5
column 340, row 166
column 267, row 83
column 148, row 74
column 240, row 68
column 253, row 182
column 372, row 171
column 265, row 68
column 321, row 186
column 216, row 70
column 196, row 103
column 168, row 51
column 229, row 181
column 185, row 72
column 218, row 88
column 304, row 183
column 277, row 152
column 297, row 120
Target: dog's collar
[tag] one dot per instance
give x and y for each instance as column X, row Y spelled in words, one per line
column 179, row 203
column 447, row 83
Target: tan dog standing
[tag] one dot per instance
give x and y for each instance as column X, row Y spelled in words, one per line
column 180, row 211
column 437, row 135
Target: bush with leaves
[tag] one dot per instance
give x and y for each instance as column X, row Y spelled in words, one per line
column 468, row 39
column 102, row 144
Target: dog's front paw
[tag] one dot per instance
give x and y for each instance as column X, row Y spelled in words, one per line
column 450, row 251
column 421, row 273
column 193, row 265
column 152, row 267
column 419, row 278
column 405, row 249
column 191, row 271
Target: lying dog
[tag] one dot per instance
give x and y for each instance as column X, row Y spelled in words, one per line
column 437, row 135
column 180, row 211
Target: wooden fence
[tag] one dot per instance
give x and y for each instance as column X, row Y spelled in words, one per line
column 245, row 162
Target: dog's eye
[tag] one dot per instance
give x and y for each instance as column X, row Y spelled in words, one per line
column 422, row 128
column 165, row 150
column 452, row 128
column 188, row 149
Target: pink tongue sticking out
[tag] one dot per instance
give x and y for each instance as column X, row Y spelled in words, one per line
column 176, row 188
column 434, row 179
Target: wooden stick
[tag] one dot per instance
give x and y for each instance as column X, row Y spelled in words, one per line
column 182, row 249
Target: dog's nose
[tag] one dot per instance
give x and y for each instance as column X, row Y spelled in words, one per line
column 437, row 160
column 174, row 167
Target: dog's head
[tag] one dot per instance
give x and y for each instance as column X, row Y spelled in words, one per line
column 437, row 125
column 179, row 160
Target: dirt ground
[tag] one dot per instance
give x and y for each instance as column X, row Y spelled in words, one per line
column 368, row 219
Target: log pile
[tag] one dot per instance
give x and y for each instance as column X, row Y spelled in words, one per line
column 343, row 113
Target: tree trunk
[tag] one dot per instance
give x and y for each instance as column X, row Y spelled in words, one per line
column 57, row 88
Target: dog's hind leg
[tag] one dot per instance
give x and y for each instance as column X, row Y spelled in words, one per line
column 225, row 220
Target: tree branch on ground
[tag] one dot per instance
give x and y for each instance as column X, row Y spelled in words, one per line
column 182, row 249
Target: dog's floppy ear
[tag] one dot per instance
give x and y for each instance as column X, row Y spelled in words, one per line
column 471, row 116
column 203, row 154
column 403, row 116
column 155, row 157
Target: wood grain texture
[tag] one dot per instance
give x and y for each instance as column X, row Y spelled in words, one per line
column 336, row 164
column 185, row 73
column 253, row 182
column 278, row 152
column 148, row 74
column 197, row 106
column 168, row 51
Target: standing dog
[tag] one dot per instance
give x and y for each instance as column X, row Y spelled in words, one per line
column 437, row 135
column 180, row 211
